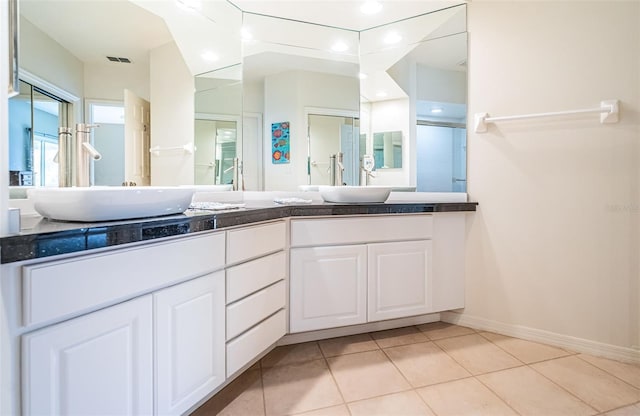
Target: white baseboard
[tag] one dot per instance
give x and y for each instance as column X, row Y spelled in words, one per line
column 358, row 329
column 563, row 341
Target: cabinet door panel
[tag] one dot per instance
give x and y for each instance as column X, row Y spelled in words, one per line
column 100, row 363
column 399, row 279
column 328, row 287
column 190, row 342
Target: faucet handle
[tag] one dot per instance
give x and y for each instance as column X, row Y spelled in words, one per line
column 85, row 128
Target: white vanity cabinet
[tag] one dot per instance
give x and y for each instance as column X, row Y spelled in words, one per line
column 190, row 342
column 256, row 292
column 354, row 270
column 399, row 279
column 100, row 362
column 138, row 330
column 328, row 287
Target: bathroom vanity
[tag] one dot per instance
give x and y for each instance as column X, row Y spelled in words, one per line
column 155, row 316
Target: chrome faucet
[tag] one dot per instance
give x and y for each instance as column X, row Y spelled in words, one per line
column 336, row 169
column 85, row 152
column 64, row 157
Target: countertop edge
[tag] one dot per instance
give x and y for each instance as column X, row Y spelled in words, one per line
column 52, row 238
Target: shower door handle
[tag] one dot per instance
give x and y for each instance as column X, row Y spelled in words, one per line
column 14, row 46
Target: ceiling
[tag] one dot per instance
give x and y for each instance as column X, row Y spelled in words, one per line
column 92, row 30
column 345, row 14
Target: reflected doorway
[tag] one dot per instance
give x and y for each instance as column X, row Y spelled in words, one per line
column 216, row 149
column 329, row 135
column 441, row 158
column 109, row 141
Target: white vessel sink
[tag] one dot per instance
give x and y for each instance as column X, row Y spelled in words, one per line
column 355, row 194
column 107, row 203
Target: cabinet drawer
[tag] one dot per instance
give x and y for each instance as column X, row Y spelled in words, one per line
column 252, row 343
column 247, row 312
column 59, row 289
column 356, row 230
column 251, row 242
column 252, row 276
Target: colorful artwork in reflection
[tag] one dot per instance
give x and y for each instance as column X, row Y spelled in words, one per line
column 280, row 142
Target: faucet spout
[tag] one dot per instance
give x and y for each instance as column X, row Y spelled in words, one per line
column 95, row 155
column 85, row 152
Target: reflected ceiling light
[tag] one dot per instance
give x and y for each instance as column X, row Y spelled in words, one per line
column 371, row 7
column 190, row 4
column 362, row 75
column 339, row 46
column 381, row 94
column 436, row 110
column 246, row 34
column 392, row 37
column 209, row 56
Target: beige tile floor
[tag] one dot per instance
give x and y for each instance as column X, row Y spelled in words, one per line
column 432, row 369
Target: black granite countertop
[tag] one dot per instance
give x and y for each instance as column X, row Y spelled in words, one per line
column 49, row 238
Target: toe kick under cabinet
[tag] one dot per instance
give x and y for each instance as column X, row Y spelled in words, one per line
column 354, row 270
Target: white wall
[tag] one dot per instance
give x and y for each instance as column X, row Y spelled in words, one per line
column 554, row 245
column 109, row 80
column 172, row 111
column 434, row 84
column 47, row 59
column 286, row 95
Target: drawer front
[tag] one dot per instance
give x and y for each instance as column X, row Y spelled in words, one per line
column 252, row 343
column 247, row 312
column 252, row 276
column 252, row 242
column 56, row 290
column 356, row 230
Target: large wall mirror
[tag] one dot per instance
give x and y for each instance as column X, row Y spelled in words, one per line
column 223, row 78
column 79, row 57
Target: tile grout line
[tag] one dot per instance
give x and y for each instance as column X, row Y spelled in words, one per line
column 608, row 372
column 264, row 396
column 333, row 377
column 529, row 366
column 413, row 388
column 475, row 376
column 563, row 388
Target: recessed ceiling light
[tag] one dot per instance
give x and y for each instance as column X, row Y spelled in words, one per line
column 436, row 110
column 246, row 33
column 209, row 56
column 381, row 94
column 371, row 7
column 392, row 37
column 339, row 46
column 362, row 75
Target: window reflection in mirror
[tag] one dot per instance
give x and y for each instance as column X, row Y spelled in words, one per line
column 387, row 150
column 109, row 140
column 34, row 118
